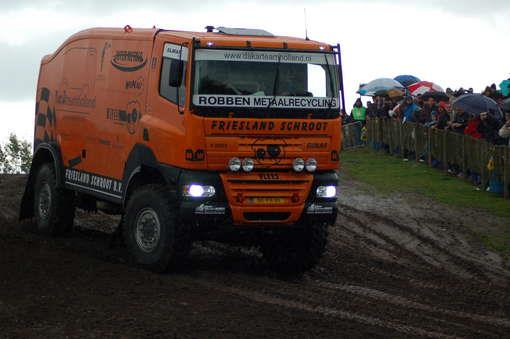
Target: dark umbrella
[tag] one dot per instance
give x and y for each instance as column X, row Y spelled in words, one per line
column 407, row 80
column 438, row 96
column 476, row 104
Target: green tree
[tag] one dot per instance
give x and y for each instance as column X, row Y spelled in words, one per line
column 15, row 156
column 3, row 159
column 25, row 156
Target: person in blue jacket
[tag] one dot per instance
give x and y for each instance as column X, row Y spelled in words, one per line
column 409, row 108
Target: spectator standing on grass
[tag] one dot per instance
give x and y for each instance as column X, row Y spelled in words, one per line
column 371, row 110
column 383, row 107
column 488, row 128
column 443, row 117
column 459, row 123
column 424, row 116
column 504, row 131
column 472, row 128
column 359, row 113
column 408, row 109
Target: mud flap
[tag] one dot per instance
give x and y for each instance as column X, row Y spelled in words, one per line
column 27, row 202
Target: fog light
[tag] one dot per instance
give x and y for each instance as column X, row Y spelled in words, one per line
column 326, row 192
column 248, row 165
column 234, row 164
column 198, row 191
column 311, row 165
column 298, row 164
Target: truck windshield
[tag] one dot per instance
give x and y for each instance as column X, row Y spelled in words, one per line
column 265, row 79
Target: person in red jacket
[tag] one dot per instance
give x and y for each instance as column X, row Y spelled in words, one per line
column 472, row 128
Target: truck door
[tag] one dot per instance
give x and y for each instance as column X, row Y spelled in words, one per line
column 165, row 109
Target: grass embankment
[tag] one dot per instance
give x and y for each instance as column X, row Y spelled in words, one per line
column 389, row 174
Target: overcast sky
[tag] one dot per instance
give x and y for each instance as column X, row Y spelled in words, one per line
column 453, row 43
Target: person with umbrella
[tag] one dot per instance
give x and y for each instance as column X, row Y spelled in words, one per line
column 460, row 121
column 488, row 128
column 424, row 116
column 410, row 108
column 486, row 115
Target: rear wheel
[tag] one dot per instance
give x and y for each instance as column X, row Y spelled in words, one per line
column 152, row 231
column 53, row 207
column 296, row 250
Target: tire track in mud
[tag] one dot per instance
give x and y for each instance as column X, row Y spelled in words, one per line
column 401, row 301
column 366, row 305
column 406, row 291
column 325, row 311
column 454, row 263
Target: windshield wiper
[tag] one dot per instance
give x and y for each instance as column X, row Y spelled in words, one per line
column 276, row 80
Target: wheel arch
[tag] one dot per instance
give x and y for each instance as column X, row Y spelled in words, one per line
column 143, row 168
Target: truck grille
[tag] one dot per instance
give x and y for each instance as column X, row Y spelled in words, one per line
column 265, row 197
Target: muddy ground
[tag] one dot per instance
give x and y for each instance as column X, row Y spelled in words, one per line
column 395, row 266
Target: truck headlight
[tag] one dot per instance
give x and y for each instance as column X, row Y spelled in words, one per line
column 198, row 191
column 326, row 191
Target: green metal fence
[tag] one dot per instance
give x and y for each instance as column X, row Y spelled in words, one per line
column 442, row 147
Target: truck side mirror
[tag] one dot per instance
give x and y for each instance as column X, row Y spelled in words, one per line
column 176, row 71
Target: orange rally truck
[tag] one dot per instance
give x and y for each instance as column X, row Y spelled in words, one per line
column 228, row 134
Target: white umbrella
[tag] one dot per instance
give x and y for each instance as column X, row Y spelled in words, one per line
column 379, row 85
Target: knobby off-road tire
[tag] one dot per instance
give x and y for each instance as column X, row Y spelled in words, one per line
column 296, row 251
column 154, row 237
column 53, row 207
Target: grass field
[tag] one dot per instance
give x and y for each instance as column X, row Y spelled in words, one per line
column 389, row 174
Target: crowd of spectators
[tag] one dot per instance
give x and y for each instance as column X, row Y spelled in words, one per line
column 435, row 111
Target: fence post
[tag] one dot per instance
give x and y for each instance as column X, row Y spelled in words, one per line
column 483, row 162
column 415, row 133
column 444, row 159
column 369, row 133
column 401, row 136
column 429, row 146
column 389, row 129
column 506, row 173
column 464, row 161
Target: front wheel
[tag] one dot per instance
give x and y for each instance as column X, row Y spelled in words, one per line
column 151, row 229
column 298, row 250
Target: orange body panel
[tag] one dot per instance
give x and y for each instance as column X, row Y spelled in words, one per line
column 98, row 95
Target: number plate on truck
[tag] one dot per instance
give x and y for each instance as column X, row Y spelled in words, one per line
column 267, row 201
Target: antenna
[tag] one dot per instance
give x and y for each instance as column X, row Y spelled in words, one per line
column 306, row 26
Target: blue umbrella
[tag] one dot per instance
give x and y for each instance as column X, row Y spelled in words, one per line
column 476, row 104
column 407, row 80
column 505, row 87
column 380, row 85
